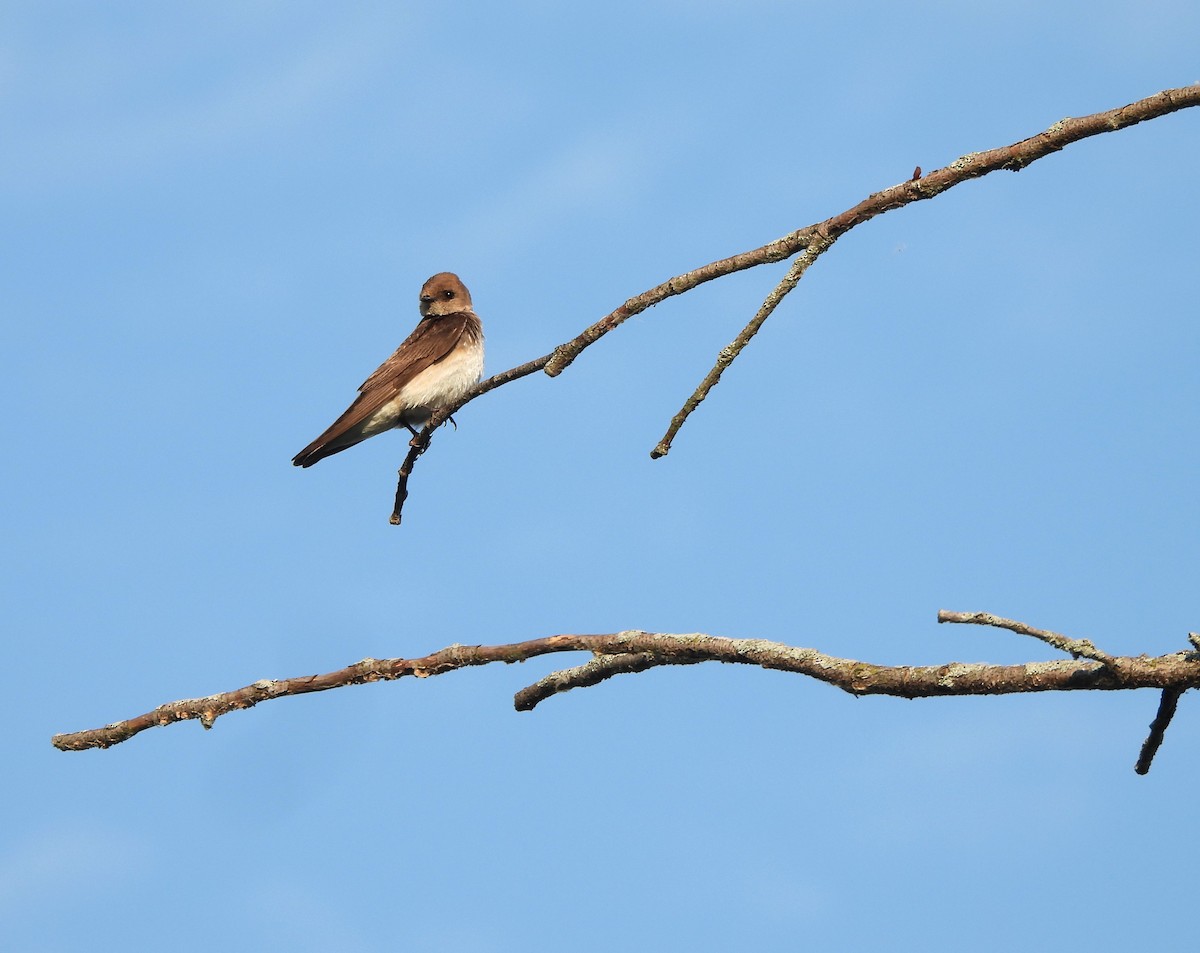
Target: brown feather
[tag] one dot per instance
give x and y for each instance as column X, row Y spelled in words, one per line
column 433, row 339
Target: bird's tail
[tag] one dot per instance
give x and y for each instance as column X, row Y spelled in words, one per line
column 321, row 448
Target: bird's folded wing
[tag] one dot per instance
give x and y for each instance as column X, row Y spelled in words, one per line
column 431, row 341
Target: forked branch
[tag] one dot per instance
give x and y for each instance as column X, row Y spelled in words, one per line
column 635, row 651
column 816, row 238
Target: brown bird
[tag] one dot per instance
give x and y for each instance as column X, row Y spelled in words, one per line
column 435, row 366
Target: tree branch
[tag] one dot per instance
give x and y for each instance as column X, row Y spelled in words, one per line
column 420, row 443
column 817, row 238
column 417, row 446
column 971, row 166
column 636, row 651
column 821, row 235
column 599, row 669
column 729, row 354
column 1158, row 728
column 1078, row 648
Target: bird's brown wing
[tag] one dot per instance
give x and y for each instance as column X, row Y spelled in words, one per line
column 430, row 342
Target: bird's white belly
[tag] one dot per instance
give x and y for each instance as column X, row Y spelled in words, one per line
column 446, row 381
column 435, row 387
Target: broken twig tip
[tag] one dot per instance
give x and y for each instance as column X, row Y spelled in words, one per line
column 1158, row 728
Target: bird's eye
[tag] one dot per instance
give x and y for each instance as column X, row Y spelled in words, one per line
column 448, row 293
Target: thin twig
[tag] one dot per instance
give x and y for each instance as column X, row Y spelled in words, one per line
column 417, row 446
column 1180, row 670
column 420, row 443
column 593, row 672
column 728, row 353
column 1079, row 648
column 1166, row 711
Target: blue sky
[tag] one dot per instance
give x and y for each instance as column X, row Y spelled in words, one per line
column 216, row 220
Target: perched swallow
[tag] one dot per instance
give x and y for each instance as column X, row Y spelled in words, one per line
column 436, row 365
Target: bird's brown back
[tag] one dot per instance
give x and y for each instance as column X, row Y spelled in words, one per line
column 433, row 339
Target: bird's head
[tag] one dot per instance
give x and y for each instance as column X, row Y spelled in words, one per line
column 444, row 294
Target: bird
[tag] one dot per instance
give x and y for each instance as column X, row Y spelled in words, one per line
column 435, row 367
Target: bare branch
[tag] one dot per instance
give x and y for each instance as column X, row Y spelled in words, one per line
column 635, row 649
column 420, row 443
column 417, row 446
column 817, row 238
column 593, row 672
column 730, row 352
column 1079, row 648
column 971, row 166
column 1158, row 728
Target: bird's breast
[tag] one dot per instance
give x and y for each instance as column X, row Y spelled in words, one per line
column 435, row 387
column 447, row 380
